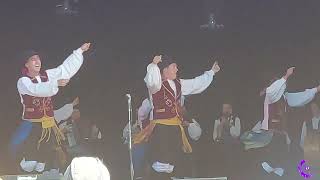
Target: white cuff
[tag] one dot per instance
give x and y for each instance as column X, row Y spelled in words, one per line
column 79, row 51
column 211, row 72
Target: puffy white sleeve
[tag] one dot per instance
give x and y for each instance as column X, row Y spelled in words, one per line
column 300, row 98
column 63, row 113
column 153, row 78
column 215, row 129
column 198, row 84
column 68, row 68
column 144, row 110
column 236, row 129
column 275, row 91
column 42, row 89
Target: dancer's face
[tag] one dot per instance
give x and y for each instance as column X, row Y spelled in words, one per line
column 170, row 72
column 33, row 64
column 227, row 109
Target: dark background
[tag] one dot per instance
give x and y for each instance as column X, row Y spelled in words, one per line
column 261, row 38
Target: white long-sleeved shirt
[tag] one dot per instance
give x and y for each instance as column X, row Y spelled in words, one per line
column 297, row 99
column 300, row 99
column 144, row 110
column 63, row 113
column 315, row 126
column 277, row 90
column 235, row 129
column 47, row 89
column 273, row 94
column 188, row 86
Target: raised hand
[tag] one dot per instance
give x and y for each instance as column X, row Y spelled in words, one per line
column 63, row 82
column 215, row 67
column 289, row 72
column 85, row 47
column 75, row 101
column 185, row 123
column 157, row 59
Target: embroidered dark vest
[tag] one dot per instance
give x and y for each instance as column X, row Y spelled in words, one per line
column 166, row 104
column 37, row 107
column 277, row 114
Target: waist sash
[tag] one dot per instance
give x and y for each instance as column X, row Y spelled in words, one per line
column 144, row 135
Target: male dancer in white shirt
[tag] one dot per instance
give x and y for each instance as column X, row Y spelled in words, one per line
column 168, row 140
column 38, row 136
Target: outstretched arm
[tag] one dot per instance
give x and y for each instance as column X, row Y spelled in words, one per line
column 66, row 111
column 63, row 113
column 153, row 78
column 299, row 99
column 70, row 66
column 275, row 91
column 200, row 83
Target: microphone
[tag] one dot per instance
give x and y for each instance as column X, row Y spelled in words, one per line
column 130, row 135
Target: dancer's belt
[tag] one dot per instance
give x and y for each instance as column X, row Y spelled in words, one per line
column 144, row 135
column 48, row 124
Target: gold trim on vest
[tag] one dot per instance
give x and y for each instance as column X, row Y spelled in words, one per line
column 160, row 110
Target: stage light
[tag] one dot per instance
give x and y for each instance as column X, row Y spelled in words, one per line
column 212, row 24
column 67, row 7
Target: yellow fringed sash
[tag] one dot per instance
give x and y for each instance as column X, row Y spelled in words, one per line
column 144, row 135
column 48, row 124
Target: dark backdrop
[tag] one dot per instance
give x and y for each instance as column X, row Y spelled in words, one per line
column 260, row 38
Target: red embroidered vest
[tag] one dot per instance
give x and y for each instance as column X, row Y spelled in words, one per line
column 166, row 104
column 37, row 107
column 277, row 112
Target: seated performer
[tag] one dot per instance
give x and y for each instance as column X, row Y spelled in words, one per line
column 69, row 122
column 168, row 140
column 226, row 125
column 38, row 138
column 226, row 134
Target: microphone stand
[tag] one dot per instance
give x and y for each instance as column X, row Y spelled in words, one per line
column 130, row 136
